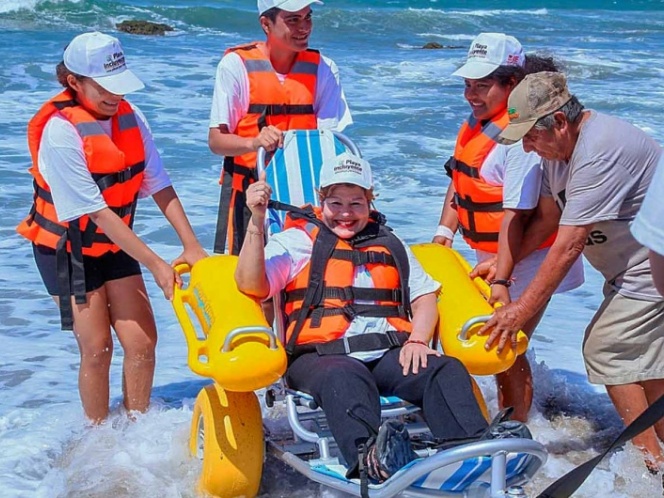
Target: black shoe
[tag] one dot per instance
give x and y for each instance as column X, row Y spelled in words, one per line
column 390, row 451
column 501, row 427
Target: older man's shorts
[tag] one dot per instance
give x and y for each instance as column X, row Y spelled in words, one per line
column 624, row 342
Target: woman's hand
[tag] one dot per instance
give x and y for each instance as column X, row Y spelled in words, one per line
column 258, row 194
column 486, row 270
column 165, row 277
column 415, row 354
column 190, row 255
column 443, row 241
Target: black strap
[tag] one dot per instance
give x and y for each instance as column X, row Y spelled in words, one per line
column 350, row 311
column 224, row 206
column 478, row 207
column 321, row 253
column 66, row 280
column 349, row 294
column 42, row 193
column 107, row 180
column 396, row 248
column 454, row 164
column 362, row 342
column 359, row 258
column 63, row 104
column 64, row 284
column 570, row 482
column 281, row 109
column 241, row 213
column 476, row 236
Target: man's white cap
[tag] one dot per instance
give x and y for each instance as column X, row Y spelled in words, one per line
column 287, row 5
column 489, row 51
column 100, row 57
column 346, row 168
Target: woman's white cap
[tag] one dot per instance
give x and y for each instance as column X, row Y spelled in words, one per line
column 488, row 52
column 100, row 57
column 346, row 168
column 287, row 5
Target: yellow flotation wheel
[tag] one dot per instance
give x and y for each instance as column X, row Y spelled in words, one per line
column 227, row 434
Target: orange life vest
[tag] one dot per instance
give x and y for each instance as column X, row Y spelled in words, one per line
column 116, row 163
column 479, row 205
column 324, row 287
column 288, row 105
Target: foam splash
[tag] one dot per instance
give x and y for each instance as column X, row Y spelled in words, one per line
column 16, row 5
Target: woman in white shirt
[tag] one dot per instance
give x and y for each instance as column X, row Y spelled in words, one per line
column 93, row 156
column 494, row 190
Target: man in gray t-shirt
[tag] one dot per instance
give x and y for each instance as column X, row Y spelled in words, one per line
column 597, row 169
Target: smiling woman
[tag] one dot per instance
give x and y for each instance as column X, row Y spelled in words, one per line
column 495, row 188
column 92, row 157
column 375, row 298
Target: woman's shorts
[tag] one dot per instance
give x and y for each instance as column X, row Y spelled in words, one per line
column 624, row 342
column 98, row 270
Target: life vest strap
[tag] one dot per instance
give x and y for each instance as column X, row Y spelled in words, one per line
column 478, row 207
column 454, row 164
column 355, row 344
column 63, row 104
column 42, row 193
column 360, row 258
column 350, row 311
column 105, row 181
column 349, row 294
column 70, row 281
column 479, row 236
column 281, row 109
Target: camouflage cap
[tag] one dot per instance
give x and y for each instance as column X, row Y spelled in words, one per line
column 538, row 95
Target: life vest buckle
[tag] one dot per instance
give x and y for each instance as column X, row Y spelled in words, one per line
column 124, row 176
column 349, row 312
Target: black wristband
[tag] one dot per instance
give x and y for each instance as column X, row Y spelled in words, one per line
column 501, row 281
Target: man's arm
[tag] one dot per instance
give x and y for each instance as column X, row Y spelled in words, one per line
column 224, row 143
column 508, row 320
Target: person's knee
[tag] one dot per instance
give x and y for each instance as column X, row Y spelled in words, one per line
column 97, row 353
column 449, row 365
column 143, row 351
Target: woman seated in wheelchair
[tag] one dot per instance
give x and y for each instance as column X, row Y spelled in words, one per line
column 360, row 312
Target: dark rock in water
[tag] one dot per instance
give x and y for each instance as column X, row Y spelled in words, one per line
column 438, row 45
column 143, row 27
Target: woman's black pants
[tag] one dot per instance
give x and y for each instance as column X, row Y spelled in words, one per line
column 339, row 383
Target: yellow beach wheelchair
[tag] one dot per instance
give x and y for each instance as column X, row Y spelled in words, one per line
column 227, row 432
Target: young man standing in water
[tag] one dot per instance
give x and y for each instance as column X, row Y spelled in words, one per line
column 261, row 90
column 597, row 169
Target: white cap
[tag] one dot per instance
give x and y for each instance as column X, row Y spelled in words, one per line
column 346, row 168
column 489, row 51
column 100, row 57
column 287, row 5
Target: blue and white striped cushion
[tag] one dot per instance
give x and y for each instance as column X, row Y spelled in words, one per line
column 294, row 170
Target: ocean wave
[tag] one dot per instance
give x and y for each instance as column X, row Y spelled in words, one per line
column 28, row 5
